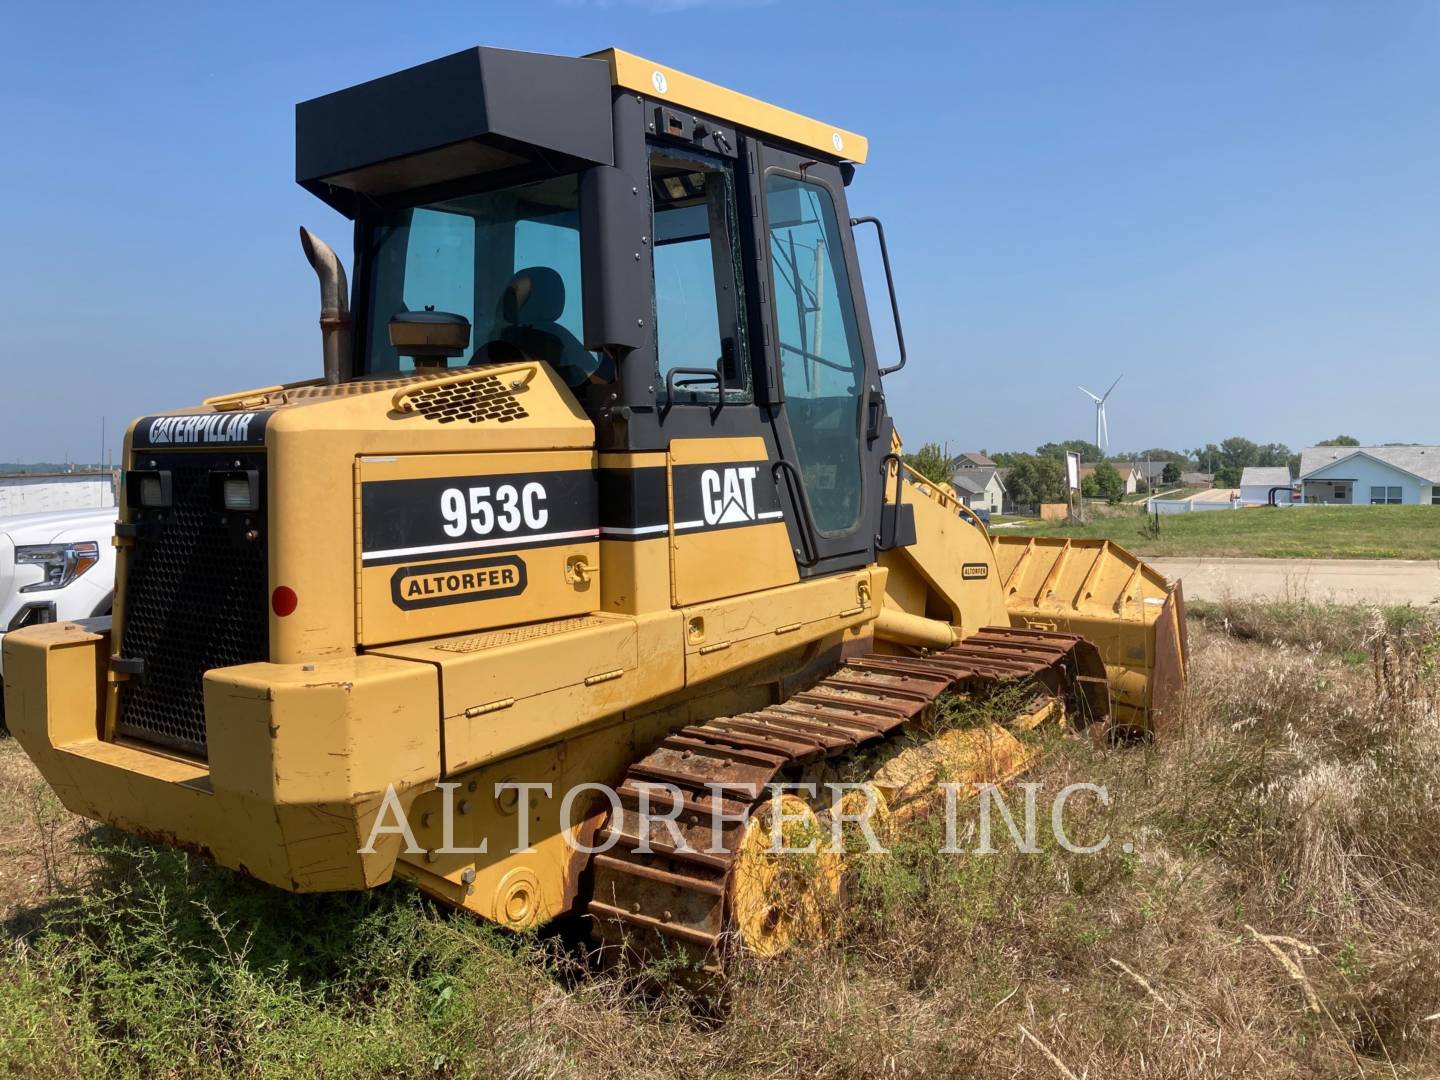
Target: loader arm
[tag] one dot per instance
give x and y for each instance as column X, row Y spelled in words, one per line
column 957, row 578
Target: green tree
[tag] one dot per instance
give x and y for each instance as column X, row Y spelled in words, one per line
column 1032, row 480
column 1163, row 453
column 1272, row 455
column 1088, row 451
column 1237, row 452
column 1171, row 475
column 1108, row 484
column 1227, row 476
column 932, row 463
column 1340, row 440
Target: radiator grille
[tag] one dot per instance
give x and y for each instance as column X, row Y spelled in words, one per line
column 195, row 598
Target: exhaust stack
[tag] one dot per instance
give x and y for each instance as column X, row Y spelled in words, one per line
column 334, row 307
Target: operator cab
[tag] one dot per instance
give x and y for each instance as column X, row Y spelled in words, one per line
column 680, row 255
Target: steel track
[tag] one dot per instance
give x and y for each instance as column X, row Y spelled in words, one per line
column 671, row 901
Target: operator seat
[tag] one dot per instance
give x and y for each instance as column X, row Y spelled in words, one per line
column 530, row 306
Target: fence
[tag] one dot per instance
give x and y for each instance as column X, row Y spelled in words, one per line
column 35, row 493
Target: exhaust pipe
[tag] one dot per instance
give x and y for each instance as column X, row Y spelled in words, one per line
column 334, row 307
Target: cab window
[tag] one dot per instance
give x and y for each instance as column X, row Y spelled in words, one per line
column 821, row 364
column 508, row 261
column 698, row 315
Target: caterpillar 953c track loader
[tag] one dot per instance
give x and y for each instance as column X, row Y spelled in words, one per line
column 599, row 487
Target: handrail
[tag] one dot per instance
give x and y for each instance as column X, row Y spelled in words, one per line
column 706, row 374
column 809, row 534
column 929, row 488
column 881, row 543
column 890, row 284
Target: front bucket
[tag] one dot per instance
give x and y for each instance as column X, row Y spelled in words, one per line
column 1102, row 592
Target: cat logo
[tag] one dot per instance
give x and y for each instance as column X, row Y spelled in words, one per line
column 457, row 582
column 727, row 496
column 975, row 571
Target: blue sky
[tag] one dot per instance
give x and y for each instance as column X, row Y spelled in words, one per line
column 1235, row 204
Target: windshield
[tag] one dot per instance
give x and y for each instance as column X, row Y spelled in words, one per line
column 506, row 260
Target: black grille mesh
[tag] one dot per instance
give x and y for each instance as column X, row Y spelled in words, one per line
column 194, row 599
column 475, row 400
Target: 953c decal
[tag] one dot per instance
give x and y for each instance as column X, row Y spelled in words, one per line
column 405, row 520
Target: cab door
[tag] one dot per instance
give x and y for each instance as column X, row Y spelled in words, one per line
column 827, row 407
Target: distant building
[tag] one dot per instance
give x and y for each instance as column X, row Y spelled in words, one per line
column 973, row 459
column 980, row 488
column 1197, row 479
column 1152, row 473
column 1373, row 475
column 1257, row 481
column 1129, row 476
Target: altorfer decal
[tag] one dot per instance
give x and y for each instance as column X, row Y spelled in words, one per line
column 457, row 582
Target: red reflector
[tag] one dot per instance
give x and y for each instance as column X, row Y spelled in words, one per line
column 284, row 601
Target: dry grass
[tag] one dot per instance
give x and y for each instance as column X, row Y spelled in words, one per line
column 39, row 853
column 1276, row 915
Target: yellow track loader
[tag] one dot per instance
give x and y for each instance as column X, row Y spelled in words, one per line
column 596, row 510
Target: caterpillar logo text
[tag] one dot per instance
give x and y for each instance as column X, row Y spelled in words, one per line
column 206, row 428
column 727, row 496
column 457, row 582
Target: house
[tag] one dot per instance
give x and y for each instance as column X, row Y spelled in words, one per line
column 1152, row 473
column 1129, row 476
column 1375, row 475
column 1197, row 479
column 1257, row 481
column 973, row 460
column 980, row 488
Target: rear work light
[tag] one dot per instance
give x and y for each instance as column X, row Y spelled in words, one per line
column 240, row 490
column 148, row 488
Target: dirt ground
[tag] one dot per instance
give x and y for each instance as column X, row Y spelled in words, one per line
column 1342, row 581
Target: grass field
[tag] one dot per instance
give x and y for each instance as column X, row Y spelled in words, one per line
column 1314, row 532
column 1276, row 914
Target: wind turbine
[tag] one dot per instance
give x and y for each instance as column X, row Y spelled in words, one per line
column 1102, row 429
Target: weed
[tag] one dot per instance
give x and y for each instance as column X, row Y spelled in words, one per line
column 1268, row 904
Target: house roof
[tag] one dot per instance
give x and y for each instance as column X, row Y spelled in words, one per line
column 1265, row 476
column 1419, row 461
column 976, row 459
column 1125, row 471
column 973, row 480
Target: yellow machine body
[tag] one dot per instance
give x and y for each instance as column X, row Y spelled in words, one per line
column 444, row 605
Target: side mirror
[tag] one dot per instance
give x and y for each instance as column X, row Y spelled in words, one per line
column 429, row 336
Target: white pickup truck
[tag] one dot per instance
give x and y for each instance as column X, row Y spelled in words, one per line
column 55, row 566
